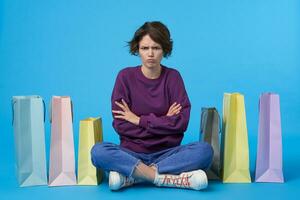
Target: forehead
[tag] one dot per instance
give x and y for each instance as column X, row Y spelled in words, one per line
column 147, row 41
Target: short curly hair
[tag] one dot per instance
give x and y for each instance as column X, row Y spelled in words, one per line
column 158, row 32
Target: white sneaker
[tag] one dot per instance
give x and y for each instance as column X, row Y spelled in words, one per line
column 196, row 180
column 117, row 181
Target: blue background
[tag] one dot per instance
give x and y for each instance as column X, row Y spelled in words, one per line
column 77, row 47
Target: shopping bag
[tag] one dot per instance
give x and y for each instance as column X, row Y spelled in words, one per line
column 210, row 133
column 90, row 132
column 269, row 146
column 236, row 148
column 29, row 136
column 62, row 158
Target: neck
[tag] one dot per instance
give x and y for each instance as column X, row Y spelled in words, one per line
column 152, row 73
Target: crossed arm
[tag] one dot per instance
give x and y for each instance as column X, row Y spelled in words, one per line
column 127, row 115
column 127, row 123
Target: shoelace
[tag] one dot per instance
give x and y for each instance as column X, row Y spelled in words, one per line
column 181, row 181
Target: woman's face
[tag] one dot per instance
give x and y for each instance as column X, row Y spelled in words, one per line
column 150, row 52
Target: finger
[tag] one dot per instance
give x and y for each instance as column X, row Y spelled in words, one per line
column 178, row 105
column 173, row 113
column 176, row 111
column 119, row 116
column 125, row 104
column 174, row 104
column 120, row 105
column 118, row 112
column 176, row 108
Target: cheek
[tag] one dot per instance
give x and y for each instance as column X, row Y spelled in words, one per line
column 160, row 55
column 142, row 56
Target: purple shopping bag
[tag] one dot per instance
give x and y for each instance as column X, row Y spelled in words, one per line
column 269, row 148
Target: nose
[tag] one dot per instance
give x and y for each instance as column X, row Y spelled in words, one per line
column 150, row 53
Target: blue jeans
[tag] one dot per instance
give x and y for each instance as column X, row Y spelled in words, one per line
column 175, row 160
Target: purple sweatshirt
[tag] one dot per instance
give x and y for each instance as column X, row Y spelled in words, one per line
column 150, row 99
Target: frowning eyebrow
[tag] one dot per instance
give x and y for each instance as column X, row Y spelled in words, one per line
column 149, row 46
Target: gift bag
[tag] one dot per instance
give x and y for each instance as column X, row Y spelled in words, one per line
column 269, row 146
column 90, row 132
column 62, row 159
column 236, row 150
column 29, row 135
column 210, row 133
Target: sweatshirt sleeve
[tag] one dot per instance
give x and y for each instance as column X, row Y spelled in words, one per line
column 123, row 127
column 176, row 124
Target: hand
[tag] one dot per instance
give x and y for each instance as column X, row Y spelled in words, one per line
column 174, row 109
column 126, row 114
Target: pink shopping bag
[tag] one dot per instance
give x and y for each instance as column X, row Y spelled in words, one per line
column 62, row 158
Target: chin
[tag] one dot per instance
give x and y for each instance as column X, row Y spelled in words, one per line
column 151, row 66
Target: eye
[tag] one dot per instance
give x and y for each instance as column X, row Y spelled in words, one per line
column 144, row 48
column 156, row 48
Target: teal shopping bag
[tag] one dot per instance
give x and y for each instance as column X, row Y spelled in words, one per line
column 29, row 135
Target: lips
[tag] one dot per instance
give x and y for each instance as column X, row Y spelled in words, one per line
column 151, row 60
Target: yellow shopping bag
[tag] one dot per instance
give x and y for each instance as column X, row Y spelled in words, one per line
column 90, row 132
column 236, row 150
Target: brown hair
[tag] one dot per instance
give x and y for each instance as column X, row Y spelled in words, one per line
column 158, row 32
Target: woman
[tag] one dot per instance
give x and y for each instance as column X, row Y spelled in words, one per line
column 151, row 112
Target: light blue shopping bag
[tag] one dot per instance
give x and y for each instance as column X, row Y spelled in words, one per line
column 29, row 134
